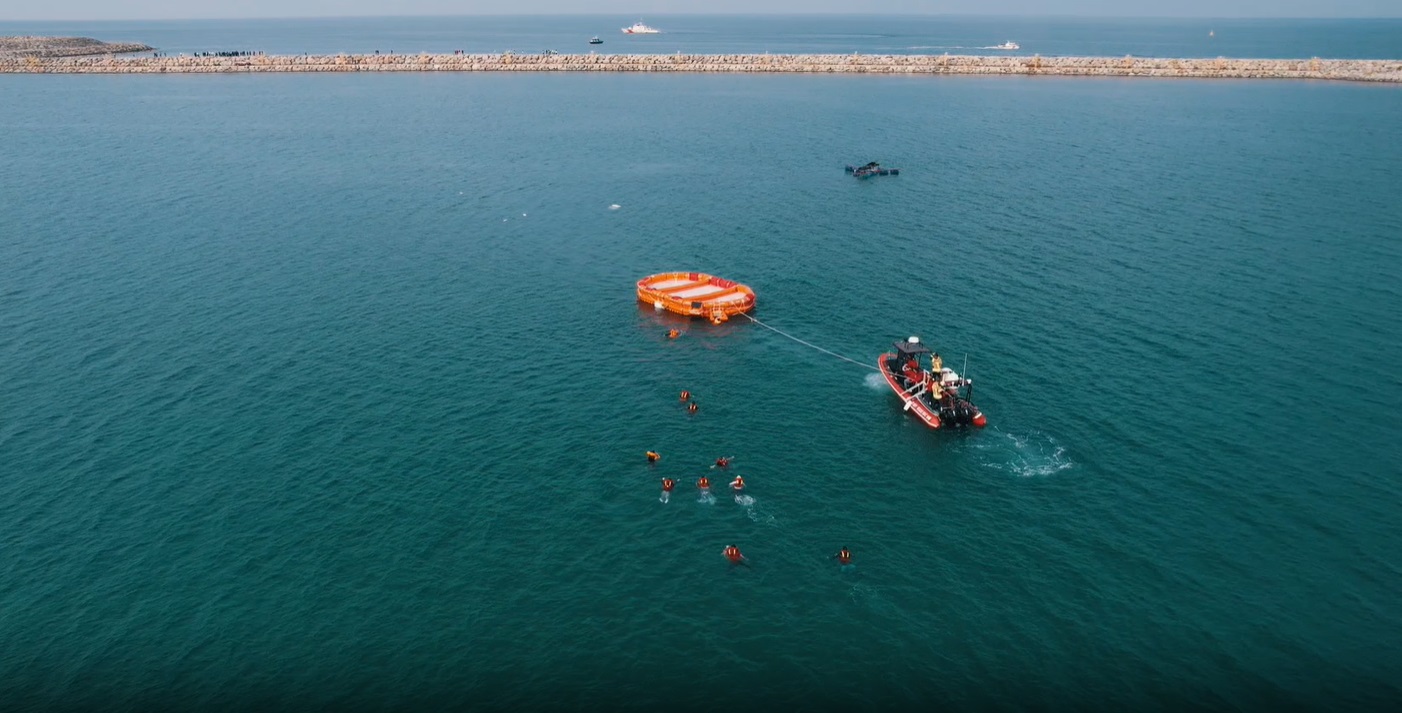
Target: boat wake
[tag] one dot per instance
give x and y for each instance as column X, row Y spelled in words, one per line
column 1026, row 456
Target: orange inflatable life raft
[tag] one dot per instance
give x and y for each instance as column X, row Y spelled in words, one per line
column 696, row 294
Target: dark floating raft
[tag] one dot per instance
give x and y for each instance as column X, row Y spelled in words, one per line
column 872, row 169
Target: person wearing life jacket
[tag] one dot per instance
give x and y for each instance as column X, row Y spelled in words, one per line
column 732, row 553
column 668, row 484
column 843, row 556
column 686, row 395
column 691, row 407
column 704, row 484
column 738, row 485
column 722, row 462
column 653, row 457
column 673, row 333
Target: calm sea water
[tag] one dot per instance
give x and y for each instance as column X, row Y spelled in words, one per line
column 331, row 392
column 711, row 34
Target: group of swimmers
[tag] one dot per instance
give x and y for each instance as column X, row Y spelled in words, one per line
column 732, row 553
column 737, row 486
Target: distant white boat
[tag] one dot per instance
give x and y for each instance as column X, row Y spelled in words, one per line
column 1009, row 45
column 639, row 28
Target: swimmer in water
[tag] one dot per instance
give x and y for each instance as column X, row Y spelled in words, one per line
column 691, row 407
column 732, row 553
column 738, row 485
column 653, row 457
column 673, row 333
column 667, row 485
column 723, row 462
column 704, row 485
column 686, row 395
column 843, row 556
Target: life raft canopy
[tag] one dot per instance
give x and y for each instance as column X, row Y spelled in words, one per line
column 696, row 294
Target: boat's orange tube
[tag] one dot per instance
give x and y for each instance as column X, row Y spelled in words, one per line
column 696, row 294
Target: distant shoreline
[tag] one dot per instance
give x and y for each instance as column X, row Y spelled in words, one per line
column 28, row 47
column 1357, row 70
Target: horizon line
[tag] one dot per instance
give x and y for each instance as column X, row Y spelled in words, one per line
column 1053, row 16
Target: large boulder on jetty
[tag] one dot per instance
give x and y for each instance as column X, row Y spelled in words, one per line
column 45, row 47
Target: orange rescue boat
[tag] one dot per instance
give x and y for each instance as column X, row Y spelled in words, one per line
column 696, row 294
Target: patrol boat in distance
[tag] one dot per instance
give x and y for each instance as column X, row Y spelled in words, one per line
column 639, row 28
column 939, row 396
column 1009, row 45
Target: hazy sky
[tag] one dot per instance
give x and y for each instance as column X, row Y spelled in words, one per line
column 190, row 9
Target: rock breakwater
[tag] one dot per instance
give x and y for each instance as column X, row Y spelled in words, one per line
column 51, row 47
column 1333, row 69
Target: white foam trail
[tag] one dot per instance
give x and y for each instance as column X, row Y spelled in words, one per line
column 664, row 497
column 875, row 382
column 1026, row 456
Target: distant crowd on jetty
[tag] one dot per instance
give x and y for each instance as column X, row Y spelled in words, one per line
column 241, row 53
column 1360, row 70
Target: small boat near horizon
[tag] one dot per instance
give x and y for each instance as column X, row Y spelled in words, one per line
column 595, row 40
column 1009, row 45
column 639, row 28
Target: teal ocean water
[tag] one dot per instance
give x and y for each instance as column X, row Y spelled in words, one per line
column 332, row 393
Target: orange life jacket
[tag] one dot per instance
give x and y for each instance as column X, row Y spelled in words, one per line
column 667, row 483
column 686, row 395
column 704, row 482
column 844, row 557
column 739, row 483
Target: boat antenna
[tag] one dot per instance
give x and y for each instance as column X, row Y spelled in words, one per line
column 968, row 388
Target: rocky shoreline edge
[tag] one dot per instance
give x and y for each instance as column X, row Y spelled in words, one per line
column 54, row 47
column 1358, row 70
